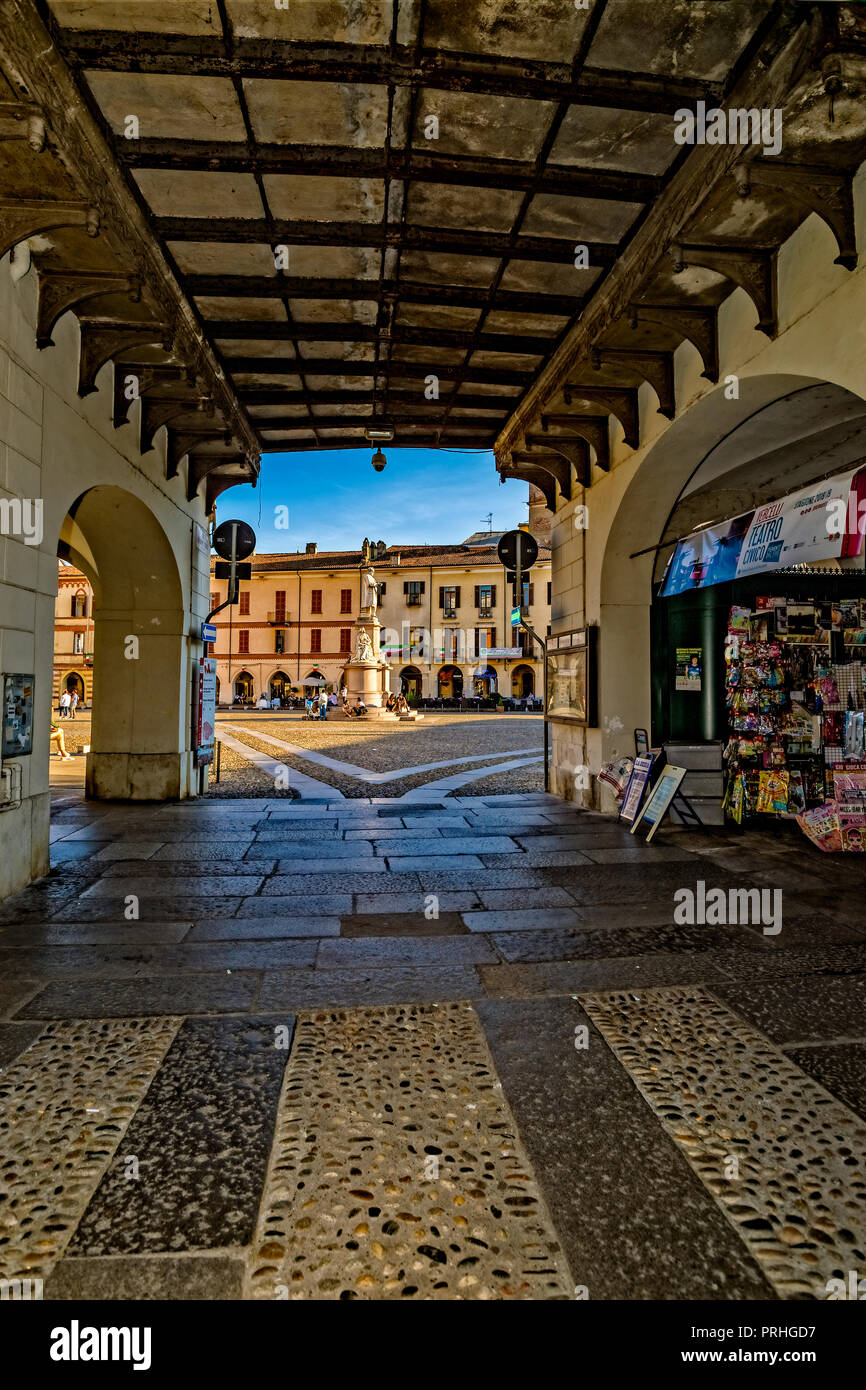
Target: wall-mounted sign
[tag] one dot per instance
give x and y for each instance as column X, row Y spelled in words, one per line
column 17, row 716
column 659, row 802
column 501, row 653
column 572, row 679
column 205, row 711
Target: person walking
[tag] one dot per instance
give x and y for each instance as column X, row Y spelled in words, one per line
column 73, row 704
column 323, row 704
column 65, row 700
column 344, row 696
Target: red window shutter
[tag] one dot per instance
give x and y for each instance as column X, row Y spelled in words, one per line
column 441, row 596
column 244, row 608
column 493, row 597
column 243, row 641
column 345, row 639
column 280, row 604
column 531, row 593
column 477, row 595
column 315, row 639
column 457, row 597
column 316, row 601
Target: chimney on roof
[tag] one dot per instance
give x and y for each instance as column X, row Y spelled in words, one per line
column 312, row 548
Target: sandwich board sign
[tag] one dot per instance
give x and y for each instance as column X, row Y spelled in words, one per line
column 660, row 799
column 635, row 789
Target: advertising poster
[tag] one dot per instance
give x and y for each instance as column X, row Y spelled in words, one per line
column 689, row 667
column 17, row 716
column 636, row 787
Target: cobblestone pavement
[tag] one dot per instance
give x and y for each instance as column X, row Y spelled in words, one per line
column 454, row 1048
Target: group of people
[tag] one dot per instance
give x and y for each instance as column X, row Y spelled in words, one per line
column 68, row 704
column 397, row 704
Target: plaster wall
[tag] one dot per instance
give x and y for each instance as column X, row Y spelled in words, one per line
column 55, row 448
column 822, row 338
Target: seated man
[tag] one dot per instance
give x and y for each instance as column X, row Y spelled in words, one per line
column 57, row 736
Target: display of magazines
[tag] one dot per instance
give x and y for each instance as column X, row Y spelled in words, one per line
column 793, row 713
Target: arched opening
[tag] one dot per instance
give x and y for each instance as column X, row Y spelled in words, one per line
column 450, row 683
column 140, row 726
column 243, row 688
column 314, row 681
column 522, row 682
column 662, row 659
column 75, row 685
column 484, row 682
column 410, row 682
column 279, row 687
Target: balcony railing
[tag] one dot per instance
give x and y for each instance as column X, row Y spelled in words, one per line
column 414, row 600
column 278, row 619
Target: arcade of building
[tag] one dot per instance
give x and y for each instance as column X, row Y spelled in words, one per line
column 704, row 354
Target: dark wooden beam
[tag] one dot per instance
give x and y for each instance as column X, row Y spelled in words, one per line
column 311, row 331
column 347, row 162
column 440, row 439
column 277, row 395
column 435, row 420
column 458, row 241
column 394, row 65
column 331, row 366
column 408, row 292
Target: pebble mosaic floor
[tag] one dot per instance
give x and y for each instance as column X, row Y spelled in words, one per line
column 336, row 1056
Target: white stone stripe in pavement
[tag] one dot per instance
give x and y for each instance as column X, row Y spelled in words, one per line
column 363, row 774
column 459, row 779
column 304, row 785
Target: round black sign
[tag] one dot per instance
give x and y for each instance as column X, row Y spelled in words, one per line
column 222, row 540
column 507, row 550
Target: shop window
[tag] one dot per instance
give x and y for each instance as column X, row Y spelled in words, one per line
column 316, row 601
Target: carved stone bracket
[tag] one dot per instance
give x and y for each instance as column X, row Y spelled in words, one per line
column 23, row 121
column 146, row 378
column 557, row 463
column 530, row 473
column 180, row 442
column 202, row 466
column 157, row 411
column 593, row 428
column 576, row 450
column 621, row 401
column 59, row 292
column 700, row 326
column 754, row 270
column 655, row 367
column 21, row 218
column 102, row 341
column 823, row 191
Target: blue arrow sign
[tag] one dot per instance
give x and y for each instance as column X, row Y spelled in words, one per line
column 208, row 632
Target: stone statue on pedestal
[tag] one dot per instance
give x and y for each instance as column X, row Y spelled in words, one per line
column 365, row 646
column 369, row 589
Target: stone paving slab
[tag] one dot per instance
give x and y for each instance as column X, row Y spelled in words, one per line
column 15, row 1038
column 413, row 904
column 290, row 907
column 360, row 988
column 373, row 951
column 528, row 919
column 582, row 944
column 367, row 866
column 459, row 880
column 831, row 1006
column 142, row 962
column 431, row 863
column 840, row 1067
column 201, row 1139
column 264, row 928
column 540, row 859
column 146, row 1278
column 620, row 972
column 206, row 886
column 634, row 1219
column 190, row 868
column 191, row 994
column 94, row 934
column 384, row 923
column 471, row 845
column 502, row 899
column 152, row 906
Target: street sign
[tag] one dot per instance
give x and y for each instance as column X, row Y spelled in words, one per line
column 205, row 714
column 208, row 632
column 234, row 540
column 223, row 570
column 517, row 550
column 502, row 653
column 515, row 617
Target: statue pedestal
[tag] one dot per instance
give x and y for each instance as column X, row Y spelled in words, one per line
column 366, row 674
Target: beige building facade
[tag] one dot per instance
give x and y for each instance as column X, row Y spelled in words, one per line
column 442, row 609
column 73, row 635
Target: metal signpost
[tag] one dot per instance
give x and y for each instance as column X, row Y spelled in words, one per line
column 518, row 552
column 234, row 542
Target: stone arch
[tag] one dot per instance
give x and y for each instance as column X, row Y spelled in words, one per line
column 629, row 560
column 140, row 722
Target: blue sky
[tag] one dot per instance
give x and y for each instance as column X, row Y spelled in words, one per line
column 424, row 496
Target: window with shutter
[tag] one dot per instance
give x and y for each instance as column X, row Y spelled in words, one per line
column 345, row 639
column 243, row 641
column 244, row 605
column 316, row 601
column 477, row 595
column 441, row 596
column 345, row 600
column 280, row 605
column 531, row 594
column 457, row 597
column 549, row 587
column 315, row 639
column 492, row 595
